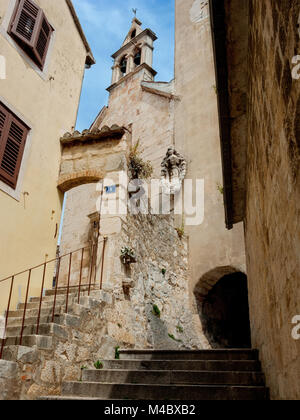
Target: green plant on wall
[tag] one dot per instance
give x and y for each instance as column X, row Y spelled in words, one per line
column 156, row 311
column 98, row 365
column 220, row 188
column 127, row 255
column 174, row 339
column 138, row 168
column 117, row 353
column 180, row 230
column 179, row 329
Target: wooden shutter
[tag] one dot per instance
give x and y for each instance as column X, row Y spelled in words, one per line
column 12, row 144
column 44, row 31
column 4, row 115
column 24, row 26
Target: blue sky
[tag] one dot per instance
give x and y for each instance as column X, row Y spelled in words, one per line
column 106, row 23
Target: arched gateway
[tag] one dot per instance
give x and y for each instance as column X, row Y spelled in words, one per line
column 222, row 301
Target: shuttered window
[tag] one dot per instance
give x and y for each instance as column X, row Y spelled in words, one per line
column 31, row 29
column 13, row 135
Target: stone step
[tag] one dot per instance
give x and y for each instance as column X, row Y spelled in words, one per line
column 40, row 341
column 75, row 289
column 222, row 354
column 17, row 322
column 34, row 312
column 44, row 329
column 60, row 302
column 61, row 319
column 191, row 365
column 163, row 392
column 45, row 304
column 60, row 297
column 173, row 377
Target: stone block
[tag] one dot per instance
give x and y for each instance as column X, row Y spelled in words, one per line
column 8, row 370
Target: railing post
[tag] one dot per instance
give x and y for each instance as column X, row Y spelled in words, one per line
column 56, row 286
column 41, row 299
column 68, row 288
column 95, row 273
column 91, row 270
column 25, row 307
column 102, row 262
column 80, row 279
column 6, row 317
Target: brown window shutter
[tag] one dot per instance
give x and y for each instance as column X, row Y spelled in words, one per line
column 44, row 31
column 12, row 144
column 25, row 23
column 4, row 116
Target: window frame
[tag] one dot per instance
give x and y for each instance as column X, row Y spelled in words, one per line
column 31, row 50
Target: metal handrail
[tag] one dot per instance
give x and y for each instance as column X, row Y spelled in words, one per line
column 41, row 265
column 93, row 266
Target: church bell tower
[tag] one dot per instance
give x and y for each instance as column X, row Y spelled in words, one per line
column 135, row 54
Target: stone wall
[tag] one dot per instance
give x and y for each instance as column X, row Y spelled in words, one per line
column 9, row 382
column 122, row 314
column 76, row 340
column 272, row 207
column 160, row 277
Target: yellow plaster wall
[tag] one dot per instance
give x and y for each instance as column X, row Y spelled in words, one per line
column 48, row 102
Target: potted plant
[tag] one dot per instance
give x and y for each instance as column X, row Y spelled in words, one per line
column 128, row 255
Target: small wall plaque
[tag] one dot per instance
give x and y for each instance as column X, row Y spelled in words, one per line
column 112, row 189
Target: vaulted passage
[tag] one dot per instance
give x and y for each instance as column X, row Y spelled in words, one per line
column 225, row 313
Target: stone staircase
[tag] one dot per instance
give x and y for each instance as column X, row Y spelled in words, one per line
column 46, row 327
column 172, row 375
column 138, row 374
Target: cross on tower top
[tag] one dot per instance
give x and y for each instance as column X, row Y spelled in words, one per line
column 134, row 12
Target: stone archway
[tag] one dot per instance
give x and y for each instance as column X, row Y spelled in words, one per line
column 89, row 156
column 222, row 302
column 75, row 179
column 96, row 155
column 209, row 279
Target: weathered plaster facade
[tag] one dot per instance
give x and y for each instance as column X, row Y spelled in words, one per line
column 211, row 247
column 47, row 101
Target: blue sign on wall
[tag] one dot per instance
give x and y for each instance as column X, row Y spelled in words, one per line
column 111, row 189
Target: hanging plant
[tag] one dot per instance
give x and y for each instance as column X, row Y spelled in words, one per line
column 128, row 255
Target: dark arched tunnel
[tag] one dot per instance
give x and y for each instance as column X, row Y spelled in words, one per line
column 224, row 313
